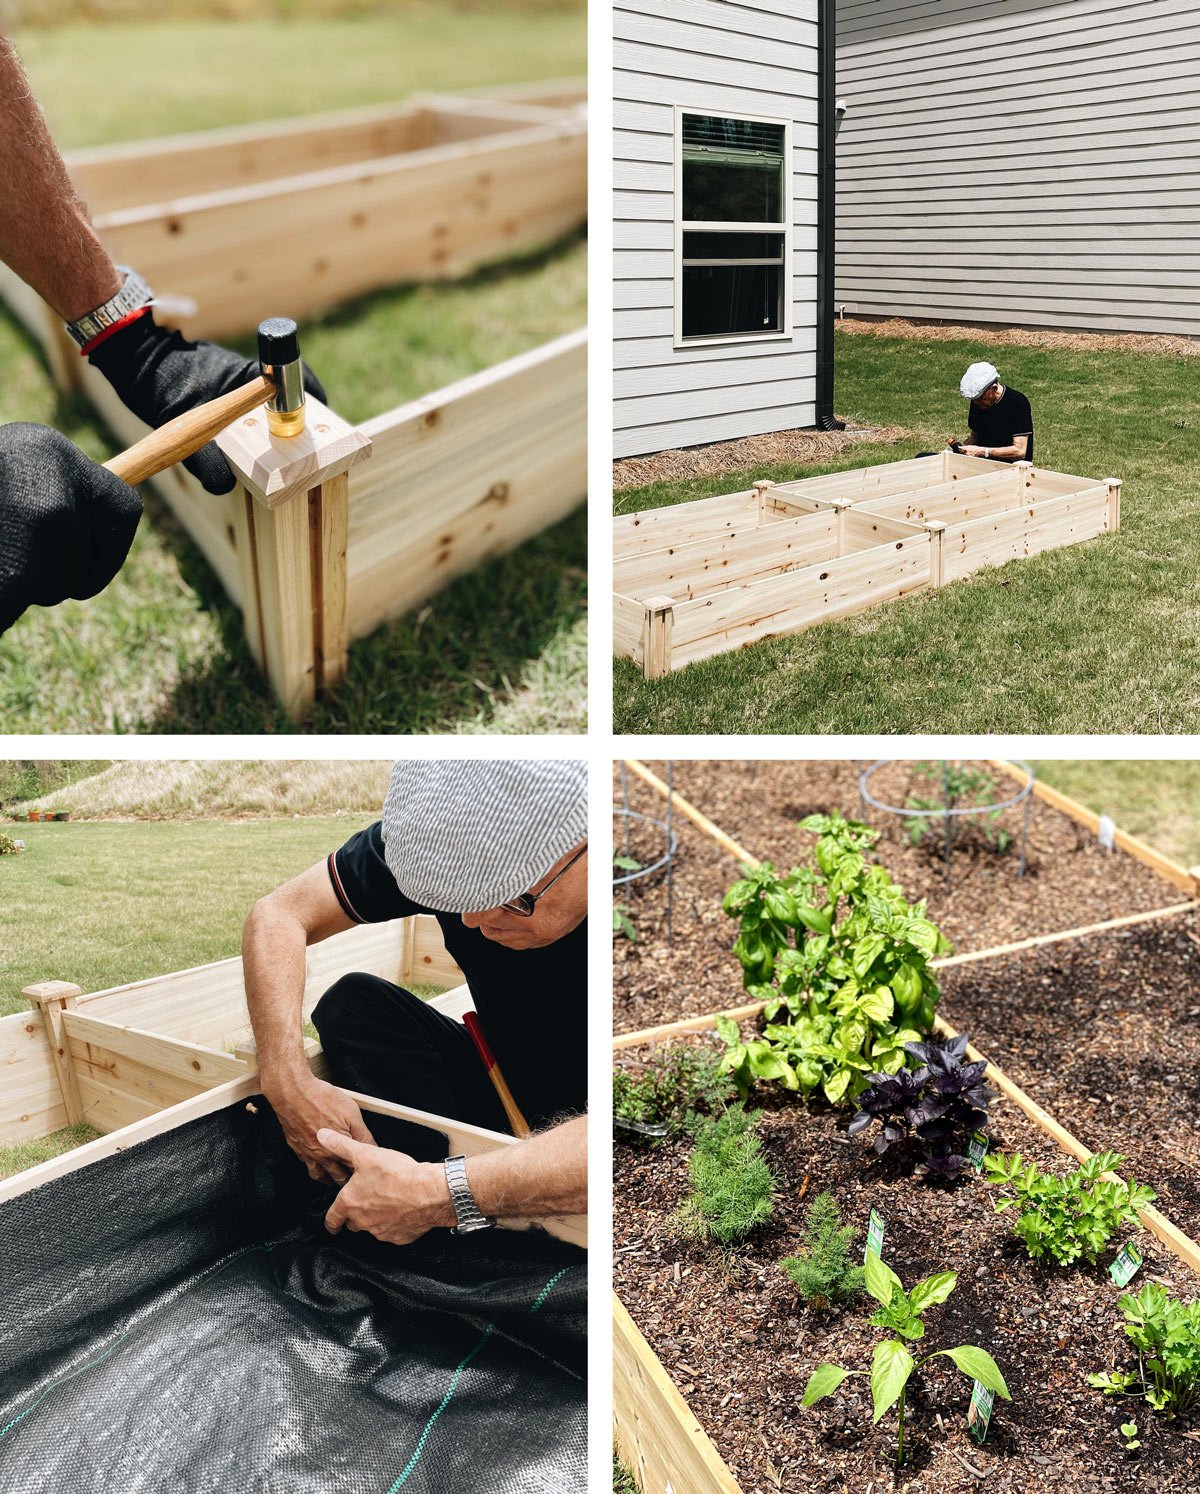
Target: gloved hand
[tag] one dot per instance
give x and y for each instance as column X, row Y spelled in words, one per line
column 159, row 374
column 66, row 523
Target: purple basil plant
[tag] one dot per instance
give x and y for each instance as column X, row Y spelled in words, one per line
column 928, row 1113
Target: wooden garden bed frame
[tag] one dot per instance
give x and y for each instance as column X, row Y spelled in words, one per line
column 134, row 1060
column 293, row 218
column 657, row 1436
column 691, row 580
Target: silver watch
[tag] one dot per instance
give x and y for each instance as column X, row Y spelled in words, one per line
column 133, row 295
column 465, row 1209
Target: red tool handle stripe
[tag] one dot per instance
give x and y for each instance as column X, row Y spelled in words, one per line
column 471, row 1023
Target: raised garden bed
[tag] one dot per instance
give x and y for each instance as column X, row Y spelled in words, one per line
column 291, row 219
column 1070, row 880
column 739, row 1343
column 695, row 579
column 1048, row 1328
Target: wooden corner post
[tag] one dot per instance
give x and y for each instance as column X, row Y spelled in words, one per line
column 1194, row 873
column 656, row 637
column 762, row 489
column 936, row 530
column 1024, row 476
column 291, row 521
column 1114, row 504
column 52, row 998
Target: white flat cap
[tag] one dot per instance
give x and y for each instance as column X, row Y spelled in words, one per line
column 464, row 836
column 976, row 380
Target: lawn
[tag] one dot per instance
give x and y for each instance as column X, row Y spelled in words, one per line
column 1160, row 801
column 1102, row 637
column 103, row 904
column 163, row 649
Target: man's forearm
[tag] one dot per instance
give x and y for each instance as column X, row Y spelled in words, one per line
column 45, row 234
column 544, row 1175
column 273, row 964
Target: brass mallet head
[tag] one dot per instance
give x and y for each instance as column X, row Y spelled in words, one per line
column 279, row 355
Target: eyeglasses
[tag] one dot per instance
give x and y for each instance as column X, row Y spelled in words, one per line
column 525, row 905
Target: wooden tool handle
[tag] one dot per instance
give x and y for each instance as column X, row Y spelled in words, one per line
column 188, row 432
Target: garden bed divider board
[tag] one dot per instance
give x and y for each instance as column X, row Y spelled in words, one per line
column 1183, row 877
column 293, row 217
column 318, row 551
column 204, row 1005
column 466, row 1140
column 658, row 1439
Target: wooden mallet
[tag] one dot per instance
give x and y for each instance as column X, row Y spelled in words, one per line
column 280, row 387
column 520, row 1126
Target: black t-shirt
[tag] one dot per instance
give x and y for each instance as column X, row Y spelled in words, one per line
column 532, row 1003
column 1009, row 417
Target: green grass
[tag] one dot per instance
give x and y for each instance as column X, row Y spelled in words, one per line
column 22, row 1154
column 623, row 1482
column 104, row 904
column 162, row 649
column 194, row 74
column 1160, row 801
column 1102, row 637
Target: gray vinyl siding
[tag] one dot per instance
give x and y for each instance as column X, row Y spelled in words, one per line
column 1028, row 163
column 754, row 57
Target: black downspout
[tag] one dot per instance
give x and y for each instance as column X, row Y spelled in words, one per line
column 826, row 208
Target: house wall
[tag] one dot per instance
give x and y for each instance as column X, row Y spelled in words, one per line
column 755, row 57
column 1026, row 163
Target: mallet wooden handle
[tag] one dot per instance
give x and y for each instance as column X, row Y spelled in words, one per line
column 520, row 1126
column 188, row 432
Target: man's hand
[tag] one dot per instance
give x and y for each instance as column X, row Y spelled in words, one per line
column 390, row 1195
column 159, row 374
column 66, row 523
column 310, row 1109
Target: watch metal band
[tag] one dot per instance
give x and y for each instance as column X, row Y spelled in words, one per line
column 133, row 296
column 468, row 1215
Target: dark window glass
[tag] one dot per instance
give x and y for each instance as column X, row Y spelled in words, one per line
column 741, row 246
column 728, row 299
column 733, row 170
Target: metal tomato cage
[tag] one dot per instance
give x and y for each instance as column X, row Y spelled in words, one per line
column 670, row 841
column 950, row 812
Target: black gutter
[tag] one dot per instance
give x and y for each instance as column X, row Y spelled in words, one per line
column 826, row 207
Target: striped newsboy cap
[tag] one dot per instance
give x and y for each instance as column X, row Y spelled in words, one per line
column 463, row 836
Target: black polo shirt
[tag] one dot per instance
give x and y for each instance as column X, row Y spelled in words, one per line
column 532, row 1003
column 1010, row 416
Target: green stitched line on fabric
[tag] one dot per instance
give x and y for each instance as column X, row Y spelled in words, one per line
column 445, row 1401
column 410, row 1466
column 113, row 1347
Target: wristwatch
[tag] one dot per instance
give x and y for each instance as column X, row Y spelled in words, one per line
column 133, row 296
column 468, row 1215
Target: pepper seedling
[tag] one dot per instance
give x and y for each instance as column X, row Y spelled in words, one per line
column 892, row 1365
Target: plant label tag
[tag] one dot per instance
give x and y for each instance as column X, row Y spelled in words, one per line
column 977, row 1150
column 1106, row 833
column 979, row 1412
column 874, row 1235
column 1125, row 1267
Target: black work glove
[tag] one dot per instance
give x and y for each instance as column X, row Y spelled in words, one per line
column 159, row 374
column 66, row 523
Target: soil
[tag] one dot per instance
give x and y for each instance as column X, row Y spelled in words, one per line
column 746, row 453
column 1069, row 880
column 738, row 1341
column 1104, row 1032
column 1164, row 346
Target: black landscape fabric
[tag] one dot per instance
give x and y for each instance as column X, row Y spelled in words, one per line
column 176, row 1317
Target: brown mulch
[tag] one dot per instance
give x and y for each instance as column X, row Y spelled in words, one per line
column 720, row 457
column 1161, row 345
column 740, row 1344
column 1105, row 1033
column 1069, row 880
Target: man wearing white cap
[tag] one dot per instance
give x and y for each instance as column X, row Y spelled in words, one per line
column 1000, row 418
column 497, row 852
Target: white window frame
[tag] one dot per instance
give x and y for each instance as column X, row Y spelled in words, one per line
column 706, row 227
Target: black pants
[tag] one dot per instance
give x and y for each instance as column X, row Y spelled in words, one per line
column 383, row 1041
